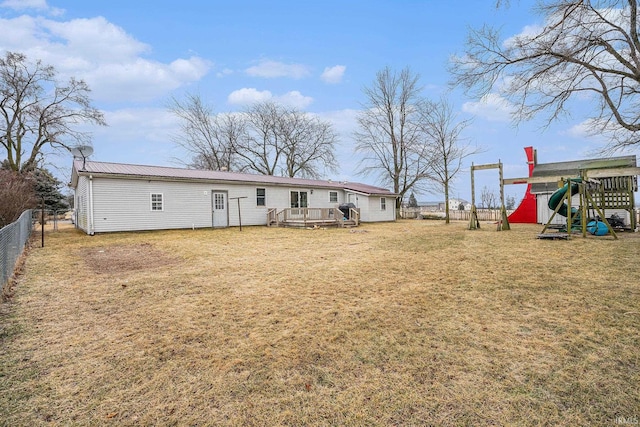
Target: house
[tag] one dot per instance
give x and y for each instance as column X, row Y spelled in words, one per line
column 123, row 197
column 429, row 206
column 454, row 205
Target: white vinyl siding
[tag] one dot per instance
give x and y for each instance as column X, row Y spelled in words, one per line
column 81, row 204
column 371, row 209
column 124, row 204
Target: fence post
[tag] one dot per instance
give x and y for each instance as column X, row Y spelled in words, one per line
column 42, row 222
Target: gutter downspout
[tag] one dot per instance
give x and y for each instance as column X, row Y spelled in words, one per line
column 91, row 225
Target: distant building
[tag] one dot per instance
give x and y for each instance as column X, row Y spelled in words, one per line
column 429, row 206
column 454, row 204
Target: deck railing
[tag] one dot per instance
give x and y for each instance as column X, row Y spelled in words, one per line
column 310, row 216
column 354, row 214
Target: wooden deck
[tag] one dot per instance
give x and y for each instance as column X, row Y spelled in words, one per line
column 312, row 218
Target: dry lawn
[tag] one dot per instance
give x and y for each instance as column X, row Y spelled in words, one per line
column 407, row 323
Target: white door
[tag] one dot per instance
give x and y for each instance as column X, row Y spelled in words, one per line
column 219, row 205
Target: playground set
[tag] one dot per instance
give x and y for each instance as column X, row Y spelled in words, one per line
column 601, row 185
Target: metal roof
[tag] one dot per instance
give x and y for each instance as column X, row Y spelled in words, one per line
column 572, row 169
column 123, row 170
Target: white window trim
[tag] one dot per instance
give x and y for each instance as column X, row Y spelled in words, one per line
column 383, row 203
column 151, row 201
column 264, row 197
column 306, row 192
column 333, row 201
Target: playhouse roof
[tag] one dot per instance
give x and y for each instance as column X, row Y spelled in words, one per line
column 572, row 169
column 122, row 170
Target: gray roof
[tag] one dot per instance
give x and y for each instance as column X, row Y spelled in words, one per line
column 180, row 174
column 572, row 169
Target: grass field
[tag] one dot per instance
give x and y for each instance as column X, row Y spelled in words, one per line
column 409, row 323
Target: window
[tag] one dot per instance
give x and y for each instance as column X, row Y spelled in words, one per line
column 218, row 201
column 261, row 198
column 156, row 201
column 383, row 204
column 333, row 197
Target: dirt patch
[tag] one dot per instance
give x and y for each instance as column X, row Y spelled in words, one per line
column 110, row 259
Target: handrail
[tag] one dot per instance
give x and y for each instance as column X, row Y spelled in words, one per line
column 338, row 216
column 355, row 215
column 272, row 216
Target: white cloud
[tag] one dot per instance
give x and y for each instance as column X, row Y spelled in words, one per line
column 344, row 121
column 124, row 124
column 225, row 72
column 333, row 75
column 593, row 134
column 24, row 4
column 580, row 130
column 295, row 99
column 191, row 69
column 271, row 69
column 39, row 5
column 142, row 79
column 103, row 54
column 94, row 38
column 528, row 32
column 492, row 107
column 248, row 96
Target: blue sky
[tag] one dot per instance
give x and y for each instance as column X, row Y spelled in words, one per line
column 315, row 55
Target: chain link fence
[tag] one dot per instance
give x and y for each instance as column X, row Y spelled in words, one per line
column 13, row 238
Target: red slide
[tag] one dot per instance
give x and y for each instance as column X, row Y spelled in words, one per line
column 526, row 212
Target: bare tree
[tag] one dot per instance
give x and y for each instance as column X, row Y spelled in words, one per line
column 309, row 144
column 390, row 135
column 262, row 147
column 267, row 138
column 285, row 141
column 489, row 198
column 38, row 112
column 584, row 48
column 448, row 150
column 210, row 138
